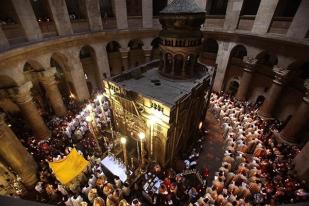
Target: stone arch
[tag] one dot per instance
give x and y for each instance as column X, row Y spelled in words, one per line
column 189, row 63
column 168, row 58
column 136, row 55
column 88, row 59
column 267, row 58
column 155, row 51
column 114, row 57
column 63, row 75
column 62, row 61
column 178, row 64
column 239, row 52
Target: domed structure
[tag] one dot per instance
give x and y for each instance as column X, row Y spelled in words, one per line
column 181, row 38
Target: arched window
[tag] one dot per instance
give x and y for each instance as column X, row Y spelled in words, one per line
column 168, row 62
column 178, row 64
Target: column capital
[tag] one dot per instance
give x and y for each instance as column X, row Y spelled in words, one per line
column 22, row 93
column 47, row 77
column 249, row 63
column 281, row 74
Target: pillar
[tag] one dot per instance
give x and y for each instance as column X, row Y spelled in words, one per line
column 121, row 14
column 147, row 52
column 147, row 13
column 125, row 57
column 61, row 17
column 264, row 16
column 47, row 79
column 301, row 164
column 22, row 97
column 299, row 119
column 300, row 24
column 222, row 61
column 281, row 75
column 102, row 61
column 4, row 43
column 28, row 19
column 248, row 70
column 232, row 14
column 94, row 15
column 16, row 155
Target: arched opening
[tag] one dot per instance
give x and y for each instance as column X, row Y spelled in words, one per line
column 238, row 52
column 157, row 6
column 283, row 16
column 210, row 50
column 266, row 62
column 190, row 61
column 114, row 57
column 91, row 71
column 107, row 14
column 247, row 14
column 134, row 12
column 63, row 76
column 8, row 18
column 63, row 81
column 234, row 64
column 168, row 63
column 217, row 7
column 30, row 70
column 136, row 54
column 267, row 58
column 232, row 87
column 78, row 15
column 44, row 17
column 155, row 52
column 178, row 66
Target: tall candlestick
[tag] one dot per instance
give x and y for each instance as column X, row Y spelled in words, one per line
column 142, row 137
column 123, row 141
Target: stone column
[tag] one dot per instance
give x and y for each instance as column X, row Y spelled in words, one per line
column 299, row 119
column 47, row 78
column 4, row 43
column 300, row 24
column 147, row 52
column 248, row 69
column 61, row 17
column 27, row 19
column 16, row 155
column 121, row 14
column 232, row 14
column 102, row 61
column 147, row 13
column 264, row 16
column 22, row 97
column 301, row 164
column 125, row 57
column 274, row 92
column 94, row 15
column 222, row 61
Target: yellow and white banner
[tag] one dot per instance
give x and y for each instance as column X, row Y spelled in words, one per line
column 68, row 168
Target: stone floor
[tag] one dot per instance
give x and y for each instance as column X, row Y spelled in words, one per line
column 212, row 155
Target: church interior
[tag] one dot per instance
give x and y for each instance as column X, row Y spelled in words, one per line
column 154, row 102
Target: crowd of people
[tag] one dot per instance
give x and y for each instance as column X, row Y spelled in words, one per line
column 256, row 168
